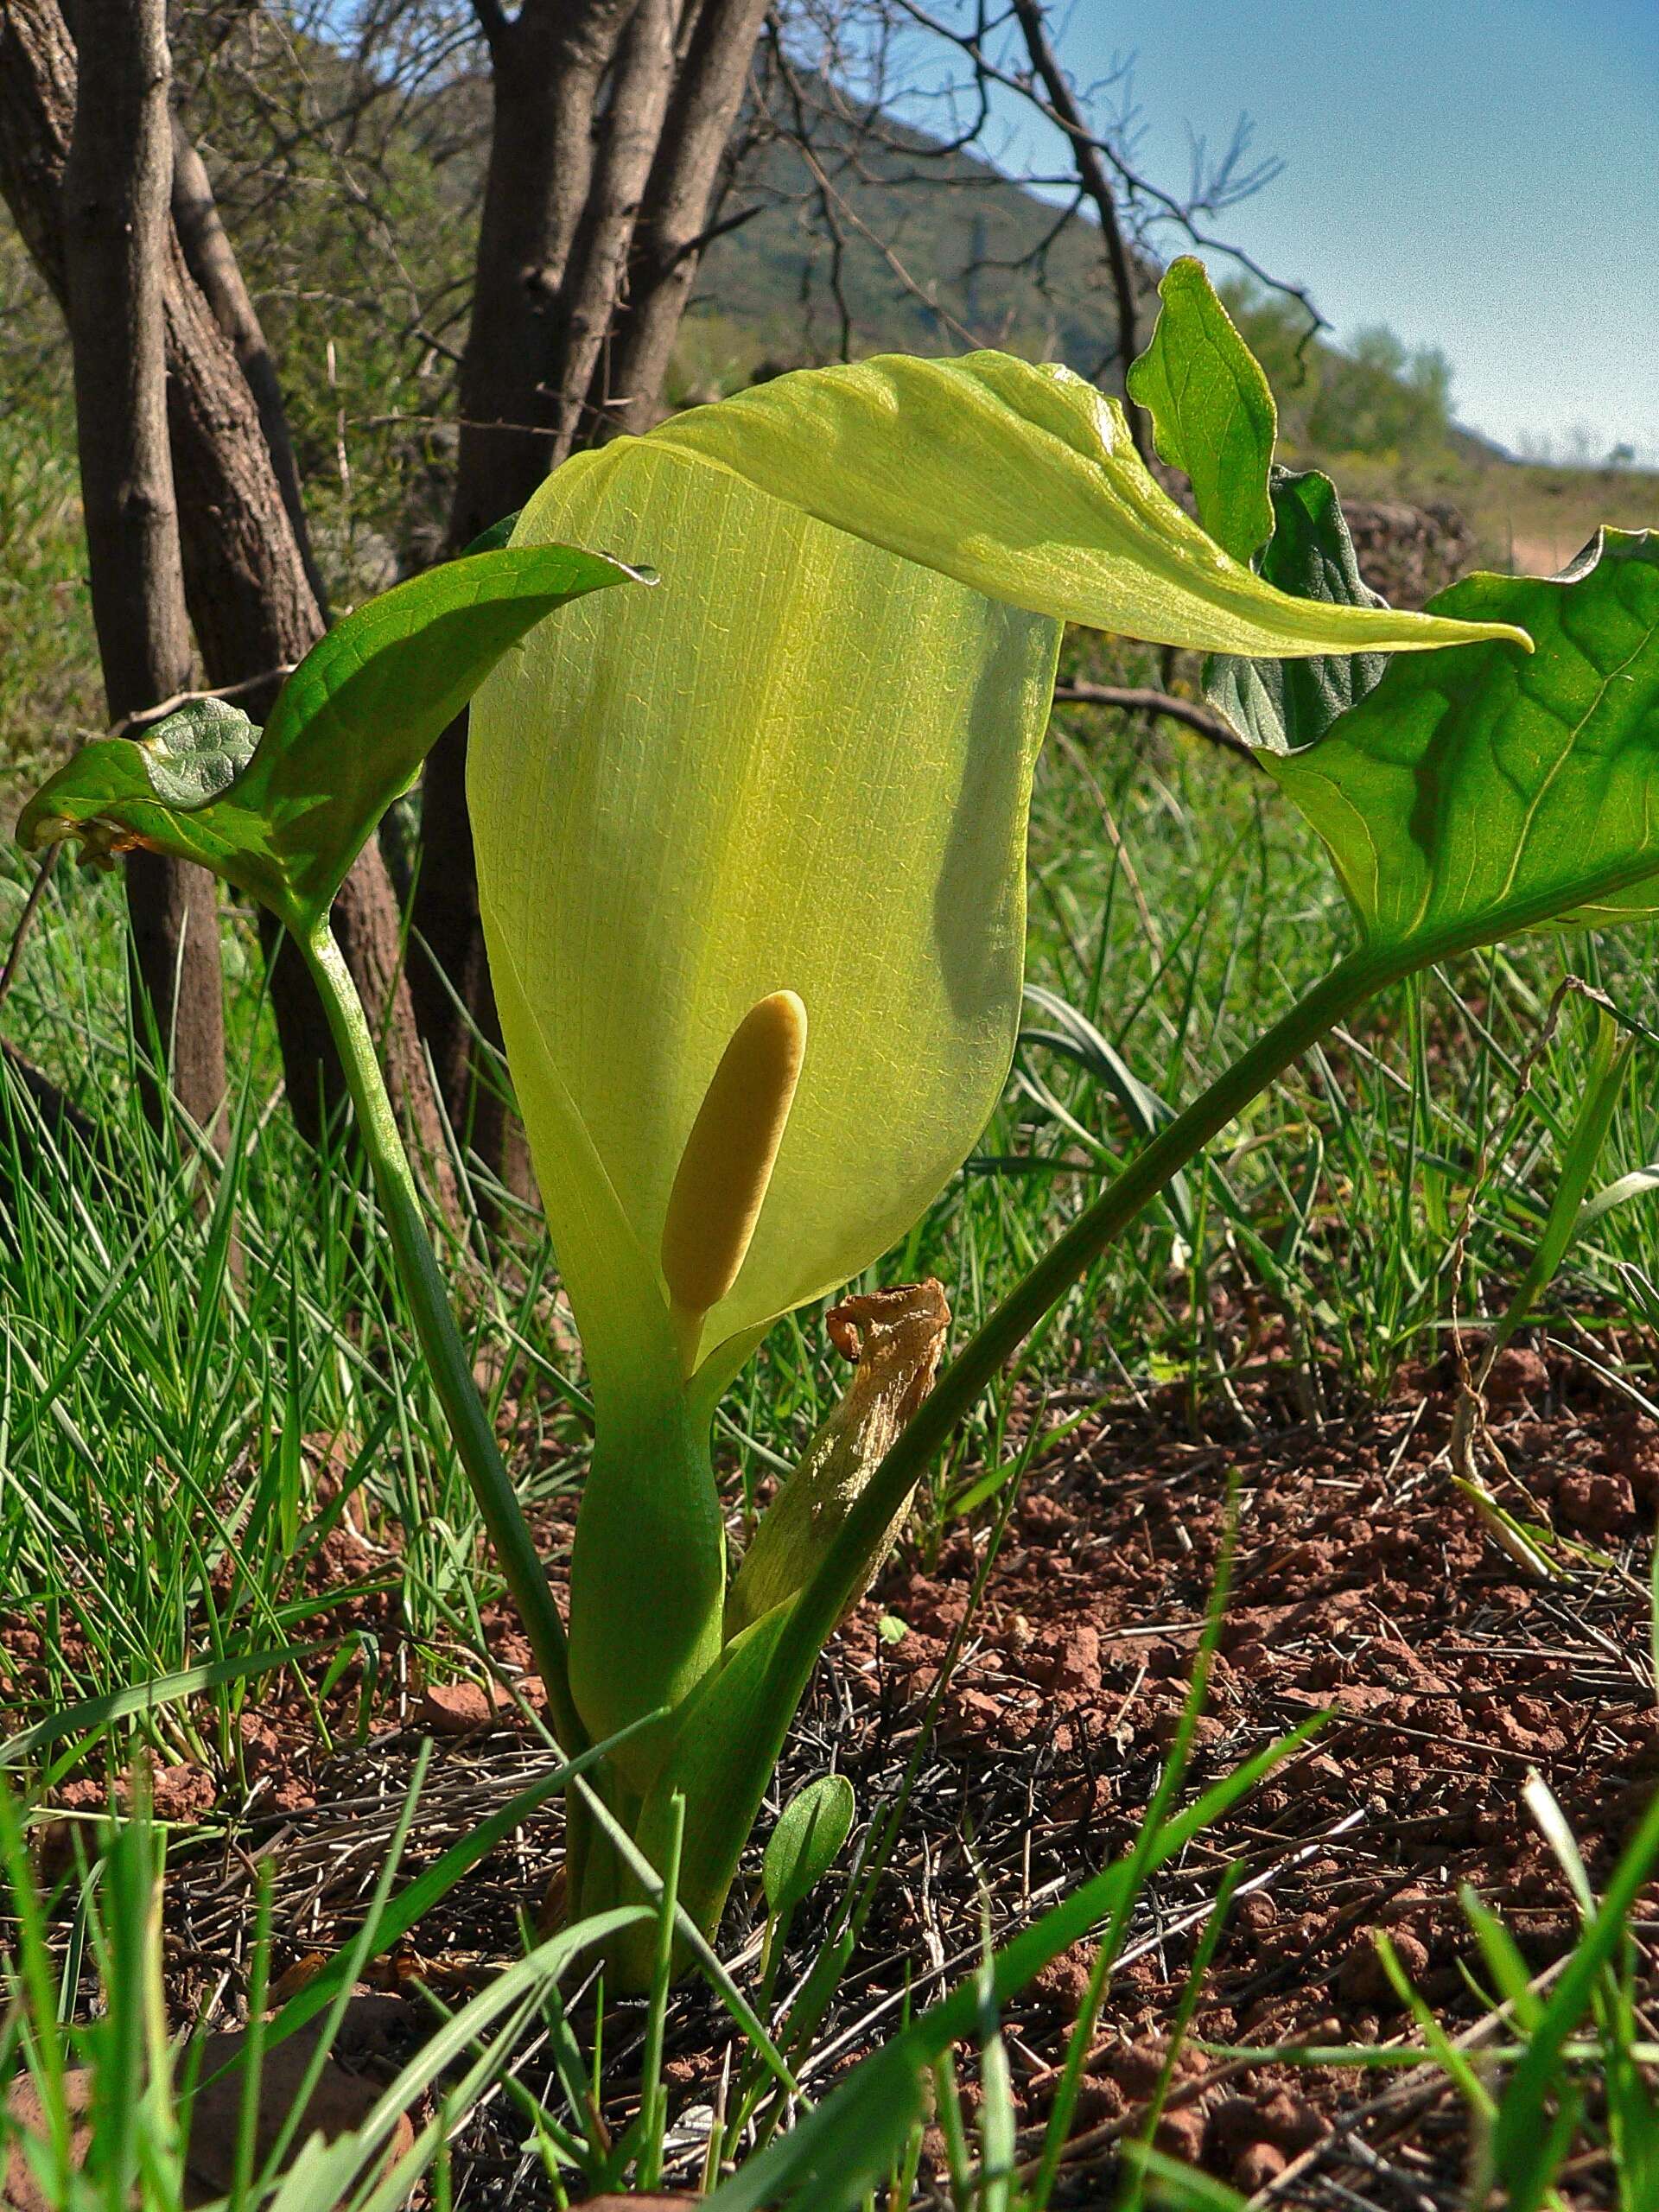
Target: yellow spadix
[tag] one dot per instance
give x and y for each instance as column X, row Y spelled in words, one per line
column 722, row 1180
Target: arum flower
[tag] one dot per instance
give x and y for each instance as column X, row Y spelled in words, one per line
column 752, row 870
column 752, row 855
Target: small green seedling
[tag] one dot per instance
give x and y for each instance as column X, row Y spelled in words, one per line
column 812, row 1829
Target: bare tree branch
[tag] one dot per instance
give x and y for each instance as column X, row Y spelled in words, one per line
column 1133, row 699
column 1091, row 173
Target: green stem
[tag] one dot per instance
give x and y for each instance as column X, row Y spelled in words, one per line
column 440, row 1340
column 839, row 1573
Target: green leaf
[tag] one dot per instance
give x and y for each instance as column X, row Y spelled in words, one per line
column 1212, row 408
column 198, row 752
column 807, row 1841
column 1280, row 704
column 284, row 815
column 498, row 534
column 1481, row 793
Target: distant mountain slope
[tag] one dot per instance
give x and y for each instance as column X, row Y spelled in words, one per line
column 928, row 251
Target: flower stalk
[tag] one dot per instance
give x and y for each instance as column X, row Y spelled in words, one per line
column 439, row 1339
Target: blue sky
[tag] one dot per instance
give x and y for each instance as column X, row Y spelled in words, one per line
column 1484, row 174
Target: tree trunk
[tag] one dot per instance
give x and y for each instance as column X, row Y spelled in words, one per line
column 212, row 261
column 675, row 214
column 115, row 182
column 610, row 120
column 253, row 608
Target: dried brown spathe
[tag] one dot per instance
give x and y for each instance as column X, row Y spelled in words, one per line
column 896, row 1337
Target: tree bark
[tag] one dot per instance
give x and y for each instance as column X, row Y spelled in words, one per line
column 117, row 178
column 548, row 68
column 252, row 608
column 708, row 93
column 212, row 261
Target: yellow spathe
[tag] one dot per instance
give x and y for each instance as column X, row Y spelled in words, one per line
column 799, row 764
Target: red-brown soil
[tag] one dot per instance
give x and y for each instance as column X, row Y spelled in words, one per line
column 1363, row 1583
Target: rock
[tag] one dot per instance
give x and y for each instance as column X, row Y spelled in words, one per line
column 23, row 2192
column 342, row 2100
column 1064, row 1982
column 347, row 2092
column 1233, row 2126
column 1596, row 1503
column 1077, row 1665
column 1291, row 2122
column 1362, row 1980
column 181, row 1793
column 459, row 1708
column 1256, row 2166
column 1516, row 1372
column 1181, row 2134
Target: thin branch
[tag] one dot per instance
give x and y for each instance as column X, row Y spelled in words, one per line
column 1224, row 189
column 146, row 715
column 1133, row 699
column 1091, row 175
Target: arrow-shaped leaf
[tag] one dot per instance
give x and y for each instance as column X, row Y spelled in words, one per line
column 1480, row 792
column 283, row 814
column 1212, row 408
column 1278, row 705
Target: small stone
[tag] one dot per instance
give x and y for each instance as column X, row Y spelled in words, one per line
column 1291, row 2122
column 1362, row 1979
column 1517, row 1371
column 458, row 1708
column 1077, row 1665
column 1234, row 2124
column 1256, row 2166
column 1064, row 1981
column 22, row 2191
column 181, row 1793
column 340, row 2102
column 1595, row 1503
column 1181, row 2134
